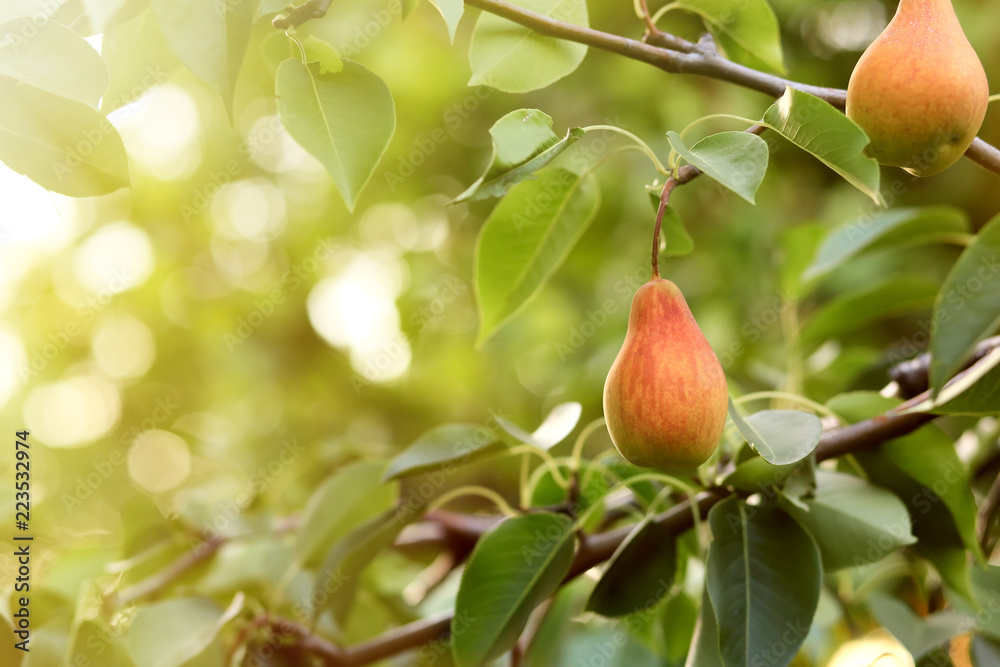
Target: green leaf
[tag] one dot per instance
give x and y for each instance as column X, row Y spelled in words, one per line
column 819, row 129
column 523, row 143
column 675, row 240
column 639, row 574
column 985, row 582
column 209, row 37
column 779, row 436
column 50, row 56
column 451, row 12
column 764, row 577
column 61, row 144
column 515, row 59
column 443, row 446
column 172, row 632
column 918, row 635
column 976, row 393
column 926, row 456
column 345, row 120
column 558, row 424
column 853, row 522
column 896, row 228
column 138, row 58
column 512, row 569
column 101, row 12
column 894, row 296
column 349, row 496
column 526, row 238
column 968, row 307
column 705, row 643
column 95, row 644
column 736, row 160
column 749, row 23
column 319, row 51
column 337, row 578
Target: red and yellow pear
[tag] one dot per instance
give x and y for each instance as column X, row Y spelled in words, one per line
column 665, row 399
column 919, row 91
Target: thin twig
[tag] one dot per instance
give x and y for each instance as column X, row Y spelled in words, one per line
column 296, row 16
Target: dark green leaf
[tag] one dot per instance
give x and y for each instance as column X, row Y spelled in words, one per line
column 512, row 569
column 897, row 295
column 705, row 644
column 819, row 129
column 779, row 436
column 345, row 120
column 526, row 238
column 968, row 307
column 853, row 522
column 926, row 456
column 61, row 144
column 443, row 446
column 918, row 635
column 899, row 227
column 764, row 576
column 337, row 579
column 523, row 143
column 50, row 56
column 736, row 160
column 349, row 496
column 515, row 59
column 639, row 574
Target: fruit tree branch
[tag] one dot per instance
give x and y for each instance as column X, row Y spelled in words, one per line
column 678, row 56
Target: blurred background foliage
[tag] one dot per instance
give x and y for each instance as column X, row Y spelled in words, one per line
column 204, row 349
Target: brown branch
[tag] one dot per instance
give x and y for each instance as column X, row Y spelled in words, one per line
column 675, row 56
column 911, row 376
column 171, row 573
column 297, row 15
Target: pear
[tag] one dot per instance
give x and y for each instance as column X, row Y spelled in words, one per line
column 919, row 91
column 665, row 399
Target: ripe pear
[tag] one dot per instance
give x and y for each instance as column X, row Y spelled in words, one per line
column 919, row 91
column 665, row 399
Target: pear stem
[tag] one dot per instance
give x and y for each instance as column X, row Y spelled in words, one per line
column 668, row 187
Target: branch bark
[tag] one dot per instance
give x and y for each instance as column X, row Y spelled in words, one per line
column 677, row 56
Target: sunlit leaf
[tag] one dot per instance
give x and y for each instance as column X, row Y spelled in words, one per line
column 345, row 119
column 523, row 143
column 819, row 129
column 101, row 12
column 209, row 37
column 736, row 160
column 779, row 436
column 558, row 424
column 172, row 632
column 751, row 24
column 138, row 58
column 526, row 238
column 515, row 59
column 451, row 11
column 50, row 56
column 61, row 144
